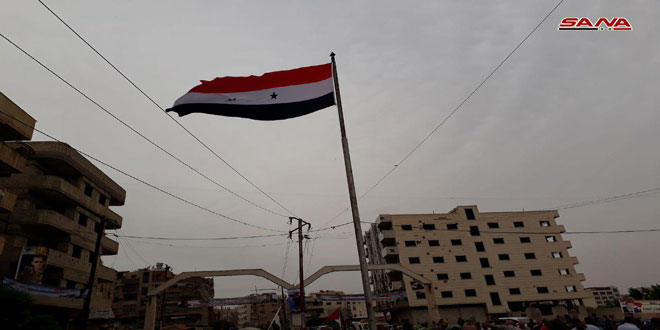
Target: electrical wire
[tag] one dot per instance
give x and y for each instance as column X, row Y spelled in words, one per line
column 414, row 149
column 142, row 181
column 164, row 111
column 137, row 132
column 208, row 246
column 196, row 238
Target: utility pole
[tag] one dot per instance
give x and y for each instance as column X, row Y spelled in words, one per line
column 92, row 276
column 162, row 300
column 301, row 224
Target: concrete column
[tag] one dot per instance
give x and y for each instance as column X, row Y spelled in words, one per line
column 434, row 313
column 150, row 314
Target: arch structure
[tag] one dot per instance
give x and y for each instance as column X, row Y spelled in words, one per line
column 150, row 314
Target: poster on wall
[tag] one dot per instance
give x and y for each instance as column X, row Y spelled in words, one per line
column 32, row 265
column 640, row 306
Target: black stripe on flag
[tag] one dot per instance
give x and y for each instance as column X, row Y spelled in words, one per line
column 276, row 111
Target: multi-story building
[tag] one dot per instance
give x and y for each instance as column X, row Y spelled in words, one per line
column 322, row 307
column 15, row 125
column 480, row 264
column 604, row 294
column 62, row 202
column 258, row 314
column 130, row 297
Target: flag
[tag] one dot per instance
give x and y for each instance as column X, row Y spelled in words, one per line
column 333, row 320
column 276, row 324
column 271, row 96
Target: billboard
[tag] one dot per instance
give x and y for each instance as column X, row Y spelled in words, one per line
column 32, row 265
column 640, row 306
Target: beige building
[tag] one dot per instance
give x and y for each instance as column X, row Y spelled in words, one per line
column 480, row 264
column 258, row 314
column 604, row 294
column 350, row 309
column 130, row 298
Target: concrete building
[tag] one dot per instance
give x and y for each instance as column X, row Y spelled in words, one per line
column 61, row 200
column 258, row 314
column 15, row 125
column 130, row 298
column 604, row 294
column 480, row 264
column 351, row 309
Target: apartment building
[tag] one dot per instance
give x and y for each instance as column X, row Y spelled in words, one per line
column 259, row 314
column 62, row 202
column 480, row 264
column 326, row 302
column 15, row 125
column 604, row 294
column 130, row 297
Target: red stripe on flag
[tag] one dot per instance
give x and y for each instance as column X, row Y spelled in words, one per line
column 298, row 76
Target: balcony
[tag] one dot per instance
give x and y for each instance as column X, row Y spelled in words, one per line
column 10, row 160
column 386, row 235
column 109, row 246
column 59, row 190
column 389, row 251
column 7, row 202
column 20, row 128
column 397, row 285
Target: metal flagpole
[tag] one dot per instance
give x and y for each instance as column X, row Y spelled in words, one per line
column 354, row 206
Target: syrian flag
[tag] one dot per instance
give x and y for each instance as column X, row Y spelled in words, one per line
column 276, row 324
column 271, row 96
column 333, row 320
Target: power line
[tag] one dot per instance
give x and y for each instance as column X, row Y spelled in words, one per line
column 196, row 238
column 163, row 110
column 611, row 199
column 138, row 133
column 143, row 181
column 397, row 165
column 207, row 246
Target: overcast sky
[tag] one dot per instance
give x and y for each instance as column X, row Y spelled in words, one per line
column 571, row 116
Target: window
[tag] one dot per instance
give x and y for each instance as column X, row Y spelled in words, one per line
column 479, row 246
column 525, row 240
column 434, row 242
column 102, row 199
column 410, row 243
column 145, row 277
column 509, row 273
column 495, row 299
column 438, row 260
column 470, row 292
column 443, row 277
column 91, row 257
column 328, row 303
column 519, row 224
column 484, row 262
column 513, row 291
column 144, row 291
column 406, row 227
column 550, row 239
column 544, row 223
column 530, row 256
column 498, row 240
column 452, row 226
column 420, row 295
column 77, row 251
column 542, row 289
column 536, row 272
column 98, row 227
column 469, row 214
column 466, row 276
column 556, row 255
column 563, row 271
column 474, row 231
column 88, row 189
column 493, row 225
column 571, row 288
column 490, row 279
column 428, row 226
column 446, row 294
column 82, row 220
column 456, row 242
column 503, row 256
column 461, row 259
column 413, row 260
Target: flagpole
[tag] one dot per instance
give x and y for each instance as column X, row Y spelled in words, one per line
column 354, row 206
column 273, row 320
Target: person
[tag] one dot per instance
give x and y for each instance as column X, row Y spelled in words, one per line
column 33, row 274
column 407, row 325
column 591, row 323
column 628, row 323
column 469, row 326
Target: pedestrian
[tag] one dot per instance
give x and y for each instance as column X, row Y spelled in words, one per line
column 628, row 323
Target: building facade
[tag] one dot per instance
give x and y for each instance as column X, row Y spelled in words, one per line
column 604, row 294
column 130, row 298
column 480, row 264
column 259, row 314
column 62, row 202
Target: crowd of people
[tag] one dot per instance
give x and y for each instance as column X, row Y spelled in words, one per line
column 565, row 322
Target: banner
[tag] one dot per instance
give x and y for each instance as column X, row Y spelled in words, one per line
column 230, row 301
column 393, row 296
column 42, row 290
column 32, row 264
column 640, row 306
column 293, row 299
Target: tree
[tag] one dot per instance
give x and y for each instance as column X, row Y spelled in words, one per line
column 651, row 293
column 16, row 312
